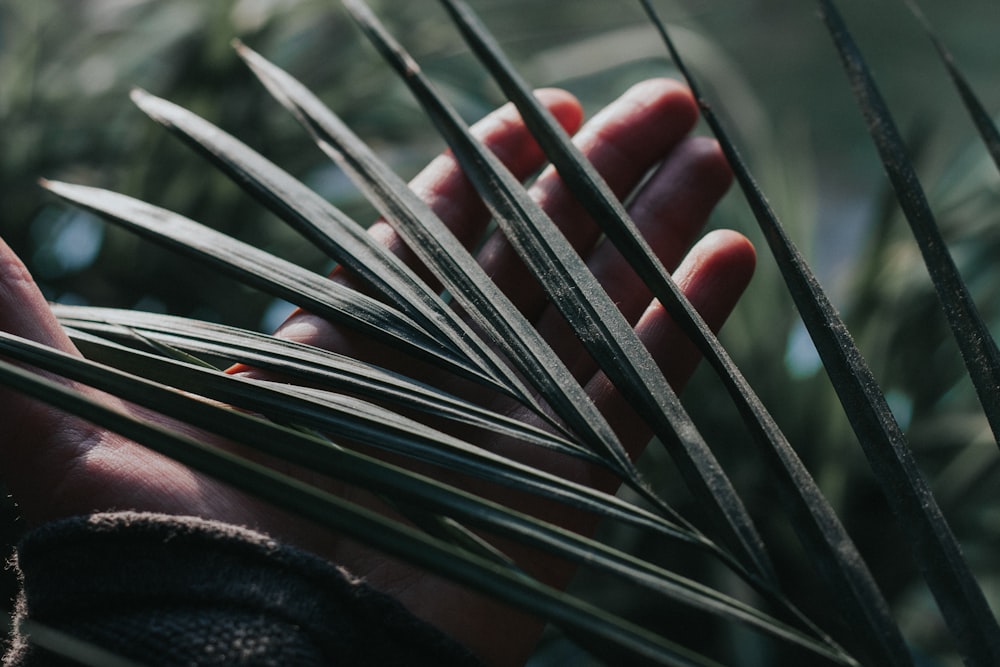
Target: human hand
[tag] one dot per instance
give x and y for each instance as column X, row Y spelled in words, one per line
column 57, row 466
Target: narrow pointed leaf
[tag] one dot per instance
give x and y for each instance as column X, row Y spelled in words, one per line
column 304, row 288
column 963, row 604
column 318, row 366
column 980, row 116
column 979, row 350
column 883, row 442
column 821, row 532
column 309, row 365
column 392, row 481
column 353, row 420
column 333, row 233
column 608, row 631
column 452, row 264
column 586, row 306
column 70, row 647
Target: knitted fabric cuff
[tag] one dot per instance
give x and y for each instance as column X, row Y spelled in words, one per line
column 168, row 590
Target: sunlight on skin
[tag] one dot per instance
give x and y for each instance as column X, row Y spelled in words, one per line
column 58, row 466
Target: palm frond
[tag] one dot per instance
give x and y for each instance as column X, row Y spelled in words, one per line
column 304, row 363
column 453, row 265
column 341, row 238
column 261, row 269
column 987, row 128
column 956, row 589
column 354, row 420
column 878, row 432
column 72, row 648
column 326, row 413
column 339, row 515
column 821, row 532
column 583, row 302
column 982, row 357
column 300, row 448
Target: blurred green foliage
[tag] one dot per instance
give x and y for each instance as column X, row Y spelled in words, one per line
column 66, row 67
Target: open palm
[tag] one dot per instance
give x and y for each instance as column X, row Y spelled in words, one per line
column 58, row 466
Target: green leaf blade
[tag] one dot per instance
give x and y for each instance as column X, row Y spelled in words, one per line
column 453, row 265
column 324, row 298
column 332, row 232
column 370, row 527
column 979, row 349
column 820, row 530
column 574, row 290
column 351, row 418
column 962, row 602
column 872, row 420
column 308, row 365
column 982, row 119
column 391, row 480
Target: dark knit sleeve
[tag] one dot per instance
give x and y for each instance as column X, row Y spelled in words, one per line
column 165, row 590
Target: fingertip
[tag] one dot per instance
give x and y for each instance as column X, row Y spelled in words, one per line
column 733, row 250
column 504, row 133
column 716, row 272
column 712, row 277
column 669, row 95
column 713, row 166
column 506, row 122
column 564, row 106
column 445, row 188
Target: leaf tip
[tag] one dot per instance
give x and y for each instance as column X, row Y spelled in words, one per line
column 248, row 55
column 243, row 51
column 138, row 95
column 57, row 188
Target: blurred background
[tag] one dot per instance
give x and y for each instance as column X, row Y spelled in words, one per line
column 66, row 67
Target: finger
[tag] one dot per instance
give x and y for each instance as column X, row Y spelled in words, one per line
column 445, row 188
column 712, row 277
column 622, row 142
column 669, row 211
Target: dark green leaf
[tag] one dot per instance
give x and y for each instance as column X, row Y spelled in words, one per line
column 584, row 303
column 310, row 365
column 822, row 534
column 870, row 416
column 304, row 449
column 962, row 601
column 980, row 116
column 982, row 358
column 353, row 420
column 452, row 264
column 335, row 234
column 363, row 524
column 72, row 648
column 324, row 298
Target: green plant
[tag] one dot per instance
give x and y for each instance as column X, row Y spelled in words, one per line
column 737, row 547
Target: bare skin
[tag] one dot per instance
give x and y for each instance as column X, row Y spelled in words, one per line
column 58, row 466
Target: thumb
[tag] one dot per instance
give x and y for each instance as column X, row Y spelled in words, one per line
column 58, row 465
column 34, row 448
column 23, row 309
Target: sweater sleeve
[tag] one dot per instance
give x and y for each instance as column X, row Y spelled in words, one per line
column 167, row 590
